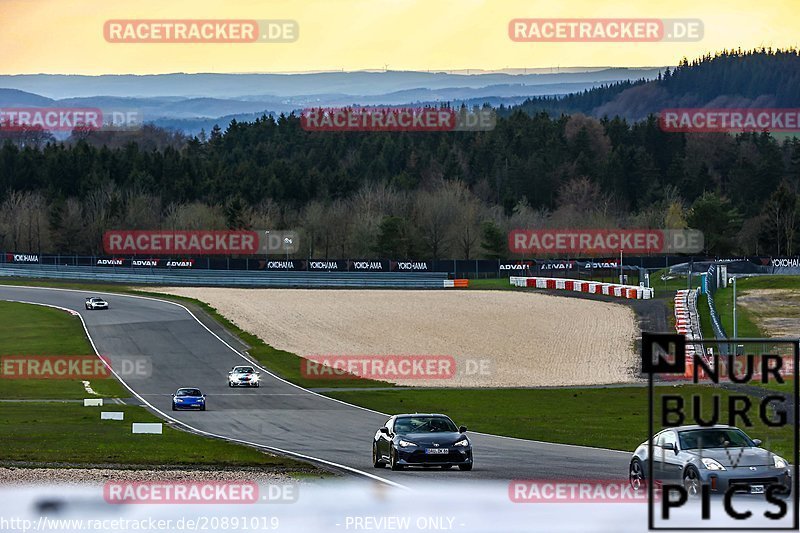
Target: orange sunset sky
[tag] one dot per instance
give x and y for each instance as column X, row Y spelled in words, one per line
column 66, row 36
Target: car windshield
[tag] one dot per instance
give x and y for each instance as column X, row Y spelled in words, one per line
column 189, row 392
column 244, row 369
column 424, row 424
column 714, row 438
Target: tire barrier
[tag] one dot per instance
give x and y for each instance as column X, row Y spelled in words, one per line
column 630, row 292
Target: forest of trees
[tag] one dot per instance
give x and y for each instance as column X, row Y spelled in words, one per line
column 732, row 78
column 422, row 195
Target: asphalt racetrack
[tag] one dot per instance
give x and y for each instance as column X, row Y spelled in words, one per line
column 281, row 416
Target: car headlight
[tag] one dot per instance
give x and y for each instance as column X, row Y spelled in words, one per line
column 254, row 378
column 201, row 400
column 178, row 400
column 462, row 442
column 406, row 443
column 779, row 462
column 711, row 464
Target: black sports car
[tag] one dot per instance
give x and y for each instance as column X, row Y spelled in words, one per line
column 428, row 440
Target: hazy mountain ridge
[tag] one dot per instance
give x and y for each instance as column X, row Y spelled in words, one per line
column 172, row 100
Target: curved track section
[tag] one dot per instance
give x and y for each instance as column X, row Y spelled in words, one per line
column 279, row 415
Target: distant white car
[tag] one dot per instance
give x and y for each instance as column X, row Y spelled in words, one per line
column 96, row 303
column 243, row 376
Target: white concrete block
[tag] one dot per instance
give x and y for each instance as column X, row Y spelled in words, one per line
column 142, row 427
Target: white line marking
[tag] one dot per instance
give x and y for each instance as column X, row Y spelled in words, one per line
column 88, row 388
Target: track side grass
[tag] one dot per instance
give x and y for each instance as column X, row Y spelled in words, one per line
column 39, row 432
column 27, row 329
column 70, row 433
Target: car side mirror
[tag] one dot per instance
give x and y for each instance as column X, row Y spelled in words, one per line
column 462, row 429
column 204, row 395
column 757, row 442
column 670, row 446
column 384, row 430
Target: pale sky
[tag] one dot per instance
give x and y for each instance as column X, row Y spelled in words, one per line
column 66, row 36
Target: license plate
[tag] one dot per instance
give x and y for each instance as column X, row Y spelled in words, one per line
column 756, row 489
column 437, row 451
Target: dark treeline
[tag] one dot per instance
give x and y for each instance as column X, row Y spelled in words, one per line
column 756, row 78
column 425, row 195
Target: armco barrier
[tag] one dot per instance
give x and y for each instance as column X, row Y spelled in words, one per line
column 592, row 287
column 232, row 278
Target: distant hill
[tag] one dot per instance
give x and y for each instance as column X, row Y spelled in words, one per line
column 257, row 86
column 193, row 102
column 16, row 98
column 759, row 78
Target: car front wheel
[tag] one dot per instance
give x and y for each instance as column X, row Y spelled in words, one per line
column 691, row 481
column 465, row 468
column 393, row 461
column 376, row 461
column 636, row 475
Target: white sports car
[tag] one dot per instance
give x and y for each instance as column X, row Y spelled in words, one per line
column 243, row 376
column 96, row 303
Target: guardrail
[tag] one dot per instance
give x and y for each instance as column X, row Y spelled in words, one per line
column 716, row 321
column 590, row 287
column 233, row 278
column 687, row 322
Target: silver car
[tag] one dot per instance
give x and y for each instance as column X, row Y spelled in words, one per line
column 718, row 456
column 95, row 302
column 243, row 376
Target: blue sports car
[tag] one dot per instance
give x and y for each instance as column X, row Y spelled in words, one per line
column 189, row 398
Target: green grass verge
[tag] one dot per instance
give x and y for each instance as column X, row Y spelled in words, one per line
column 614, row 418
column 70, row 433
column 61, row 432
column 491, row 284
column 27, row 329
